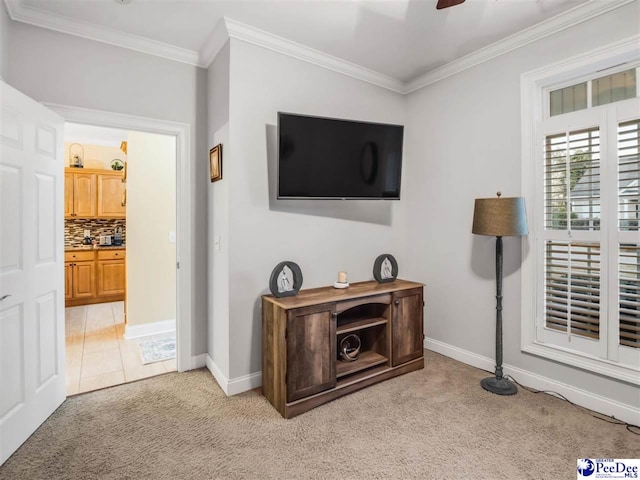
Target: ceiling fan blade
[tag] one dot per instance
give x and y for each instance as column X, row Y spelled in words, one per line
column 448, row 3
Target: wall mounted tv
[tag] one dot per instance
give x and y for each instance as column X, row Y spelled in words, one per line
column 338, row 159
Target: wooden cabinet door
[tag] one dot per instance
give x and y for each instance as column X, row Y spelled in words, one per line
column 68, row 195
column 84, row 194
column 110, row 196
column 84, row 279
column 311, row 350
column 68, row 281
column 111, row 277
column 407, row 326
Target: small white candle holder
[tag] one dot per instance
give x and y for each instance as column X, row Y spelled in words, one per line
column 342, row 281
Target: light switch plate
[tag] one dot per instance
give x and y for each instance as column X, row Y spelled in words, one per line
column 172, row 237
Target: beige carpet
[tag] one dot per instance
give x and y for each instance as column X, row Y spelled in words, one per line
column 423, row 425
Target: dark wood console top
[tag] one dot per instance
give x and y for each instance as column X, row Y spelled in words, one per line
column 314, row 296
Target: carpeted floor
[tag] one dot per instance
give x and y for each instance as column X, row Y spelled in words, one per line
column 423, row 425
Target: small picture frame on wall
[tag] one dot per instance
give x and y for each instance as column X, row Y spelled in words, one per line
column 215, row 162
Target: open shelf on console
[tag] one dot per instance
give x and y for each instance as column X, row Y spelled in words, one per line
column 359, row 324
column 366, row 360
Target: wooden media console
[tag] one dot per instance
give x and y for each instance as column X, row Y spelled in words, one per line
column 301, row 364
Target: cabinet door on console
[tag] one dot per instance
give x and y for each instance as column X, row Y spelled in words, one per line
column 311, row 350
column 407, row 326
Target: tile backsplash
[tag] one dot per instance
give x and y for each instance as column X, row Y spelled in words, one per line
column 74, row 229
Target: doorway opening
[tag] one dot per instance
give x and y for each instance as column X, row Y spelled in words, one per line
column 120, row 256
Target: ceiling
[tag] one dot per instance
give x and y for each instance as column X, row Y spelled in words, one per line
column 400, row 39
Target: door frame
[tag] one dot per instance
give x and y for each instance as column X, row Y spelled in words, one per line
column 184, row 224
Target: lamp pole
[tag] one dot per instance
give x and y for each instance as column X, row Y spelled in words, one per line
column 499, row 384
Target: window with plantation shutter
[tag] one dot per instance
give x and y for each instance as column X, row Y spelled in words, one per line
column 628, row 176
column 628, row 224
column 583, row 182
column 573, row 288
column 572, row 180
column 629, row 278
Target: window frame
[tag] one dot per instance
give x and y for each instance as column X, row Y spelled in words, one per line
column 536, row 123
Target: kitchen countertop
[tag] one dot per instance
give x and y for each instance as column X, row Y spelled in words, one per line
column 96, row 247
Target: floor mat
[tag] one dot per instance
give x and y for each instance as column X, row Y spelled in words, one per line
column 158, row 350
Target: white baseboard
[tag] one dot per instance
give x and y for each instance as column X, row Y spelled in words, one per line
column 146, row 329
column 592, row 401
column 233, row 386
column 198, row 361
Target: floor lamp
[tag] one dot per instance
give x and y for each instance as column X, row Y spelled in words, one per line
column 499, row 217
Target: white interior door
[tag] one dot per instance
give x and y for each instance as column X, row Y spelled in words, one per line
column 32, row 383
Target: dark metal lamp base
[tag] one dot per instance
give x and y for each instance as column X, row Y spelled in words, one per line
column 500, row 386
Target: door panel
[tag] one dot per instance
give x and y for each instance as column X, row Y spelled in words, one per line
column 11, row 360
column 45, row 217
column 11, row 217
column 47, row 348
column 407, row 326
column 31, row 267
column 311, row 350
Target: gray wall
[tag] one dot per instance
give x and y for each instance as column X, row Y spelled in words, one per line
column 5, row 25
column 322, row 237
column 463, row 142
column 68, row 70
column 218, row 132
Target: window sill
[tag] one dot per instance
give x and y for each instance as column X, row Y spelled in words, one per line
column 589, row 363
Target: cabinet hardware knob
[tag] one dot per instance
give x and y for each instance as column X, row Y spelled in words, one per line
column 5, row 296
column 397, row 302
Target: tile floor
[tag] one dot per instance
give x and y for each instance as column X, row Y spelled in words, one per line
column 97, row 355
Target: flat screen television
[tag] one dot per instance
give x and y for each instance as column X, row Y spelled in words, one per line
column 338, row 159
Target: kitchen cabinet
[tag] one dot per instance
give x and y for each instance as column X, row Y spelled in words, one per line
column 68, row 281
column 111, row 272
column 94, row 276
column 80, row 193
column 110, row 195
column 80, row 278
column 68, row 194
column 93, row 194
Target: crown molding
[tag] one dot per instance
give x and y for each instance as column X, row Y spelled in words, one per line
column 560, row 22
column 228, row 28
column 214, row 43
column 23, row 13
column 278, row 44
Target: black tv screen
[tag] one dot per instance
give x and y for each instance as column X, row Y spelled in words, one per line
column 340, row 159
